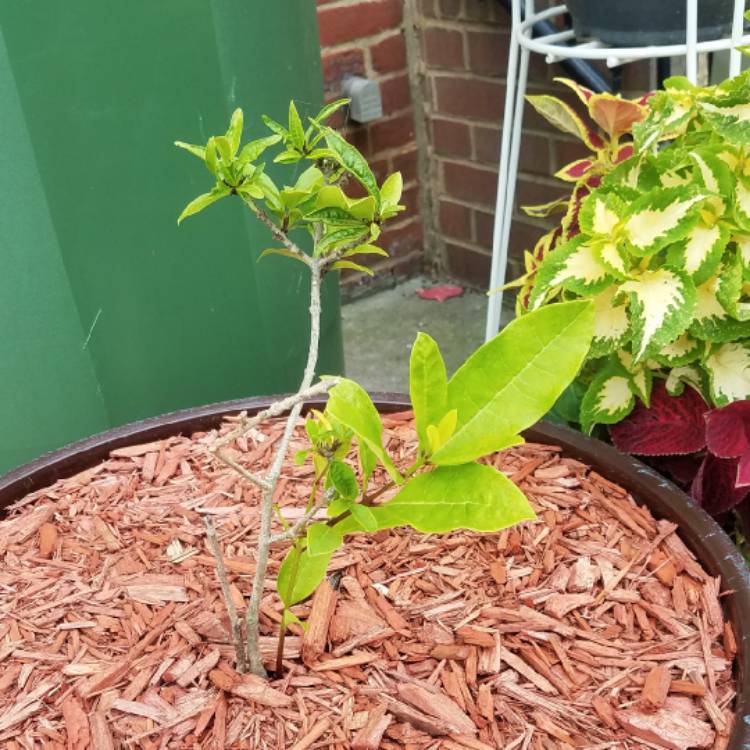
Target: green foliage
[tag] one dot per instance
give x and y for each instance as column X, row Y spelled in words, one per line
column 341, row 227
column 663, row 251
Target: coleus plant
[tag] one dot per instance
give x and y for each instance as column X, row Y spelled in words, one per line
column 607, row 136
column 704, row 449
column 503, row 388
column 663, row 252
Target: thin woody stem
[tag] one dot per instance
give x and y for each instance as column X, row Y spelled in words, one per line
column 266, row 510
column 279, row 235
column 221, row 572
column 301, row 524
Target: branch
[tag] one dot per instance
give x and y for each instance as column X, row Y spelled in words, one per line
column 241, row 470
column 301, row 523
column 279, row 234
column 266, row 510
column 221, row 572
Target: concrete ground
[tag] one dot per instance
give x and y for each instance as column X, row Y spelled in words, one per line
column 379, row 330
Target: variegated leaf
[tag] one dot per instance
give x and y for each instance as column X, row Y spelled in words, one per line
column 731, row 120
column 641, row 377
column 683, row 350
column 614, row 258
column 610, row 323
column 679, row 377
column 699, row 254
column 712, row 321
column 601, row 213
column 545, row 209
column 715, row 175
column 615, row 115
column 742, row 205
column 576, row 170
column 743, row 251
column 659, row 218
column 574, row 266
column 559, row 114
column 608, row 399
column 662, row 302
column 728, row 368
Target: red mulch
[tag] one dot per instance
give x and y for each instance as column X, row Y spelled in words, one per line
column 593, row 627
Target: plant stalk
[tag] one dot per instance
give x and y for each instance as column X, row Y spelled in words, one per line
column 252, row 618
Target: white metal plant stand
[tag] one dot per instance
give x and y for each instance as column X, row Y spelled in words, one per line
column 555, row 47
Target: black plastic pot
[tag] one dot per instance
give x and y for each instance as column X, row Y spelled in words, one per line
column 641, row 23
column 698, row 530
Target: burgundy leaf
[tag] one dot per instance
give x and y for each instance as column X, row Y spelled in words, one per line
column 727, row 430
column 714, row 485
column 743, row 470
column 680, row 469
column 578, row 168
column 672, row 425
column 624, row 152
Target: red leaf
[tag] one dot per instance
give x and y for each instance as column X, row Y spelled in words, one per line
column 681, row 469
column 727, row 430
column 644, row 99
column 440, row 293
column 714, row 485
column 577, row 168
column 624, row 152
column 673, row 425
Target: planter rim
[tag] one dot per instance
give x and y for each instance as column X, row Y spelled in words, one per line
column 698, row 530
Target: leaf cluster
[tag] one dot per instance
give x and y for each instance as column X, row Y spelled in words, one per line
column 501, row 389
column 341, row 227
column 662, row 248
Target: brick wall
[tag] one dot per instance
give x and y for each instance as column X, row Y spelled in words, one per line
column 461, row 65
column 365, row 37
column 465, row 55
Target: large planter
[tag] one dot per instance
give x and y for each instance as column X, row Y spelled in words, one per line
column 640, row 23
column 700, row 532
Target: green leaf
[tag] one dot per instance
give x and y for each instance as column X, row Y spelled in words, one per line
column 662, row 303
column 660, row 217
column 470, row 496
column 711, row 321
column 275, row 127
column 350, row 404
column 287, row 157
column 601, row 213
column 343, row 479
column 329, row 109
column 679, row 377
column 365, row 250
column 300, row 573
column 699, row 254
column 609, row 398
column 681, row 351
column 253, row 149
column 278, row 251
column 199, row 151
column 428, row 385
column 514, row 379
column 367, row 462
column 364, row 517
column 391, row 190
column 438, row 435
column 353, row 161
column 199, row 203
column 323, row 539
column 341, row 264
column 234, row 133
column 561, row 116
column 296, row 131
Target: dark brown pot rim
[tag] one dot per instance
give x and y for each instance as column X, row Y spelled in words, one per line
column 699, row 531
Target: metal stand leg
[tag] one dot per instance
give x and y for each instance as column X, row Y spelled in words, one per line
column 691, row 54
column 506, row 180
column 735, row 56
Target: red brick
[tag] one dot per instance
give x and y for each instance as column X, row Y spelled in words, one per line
column 470, row 183
column 535, row 154
column 406, row 163
column 468, row 265
column 444, row 48
column 410, row 199
column 470, row 97
column 380, row 169
column 449, row 8
column 398, row 131
column 523, row 236
column 338, row 64
column 451, row 138
column 455, row 220
column 356, row 20
column 566, row 151
column 484, row 227
column 487, row 145
column 488, row 12
column 389, row 54
column 402, row 240
column 395, row 94
column 427, row 8
column 488, row 52
column 359, row 137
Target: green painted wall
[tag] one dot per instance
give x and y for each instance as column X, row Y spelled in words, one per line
column 169, row 317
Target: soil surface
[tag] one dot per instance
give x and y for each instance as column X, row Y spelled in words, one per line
column 593, row 627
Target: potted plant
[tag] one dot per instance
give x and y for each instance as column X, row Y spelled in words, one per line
column 665, row 237
column 641, row 24
column 528, row 614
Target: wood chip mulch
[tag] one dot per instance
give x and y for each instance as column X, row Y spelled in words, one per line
column 593, row 627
